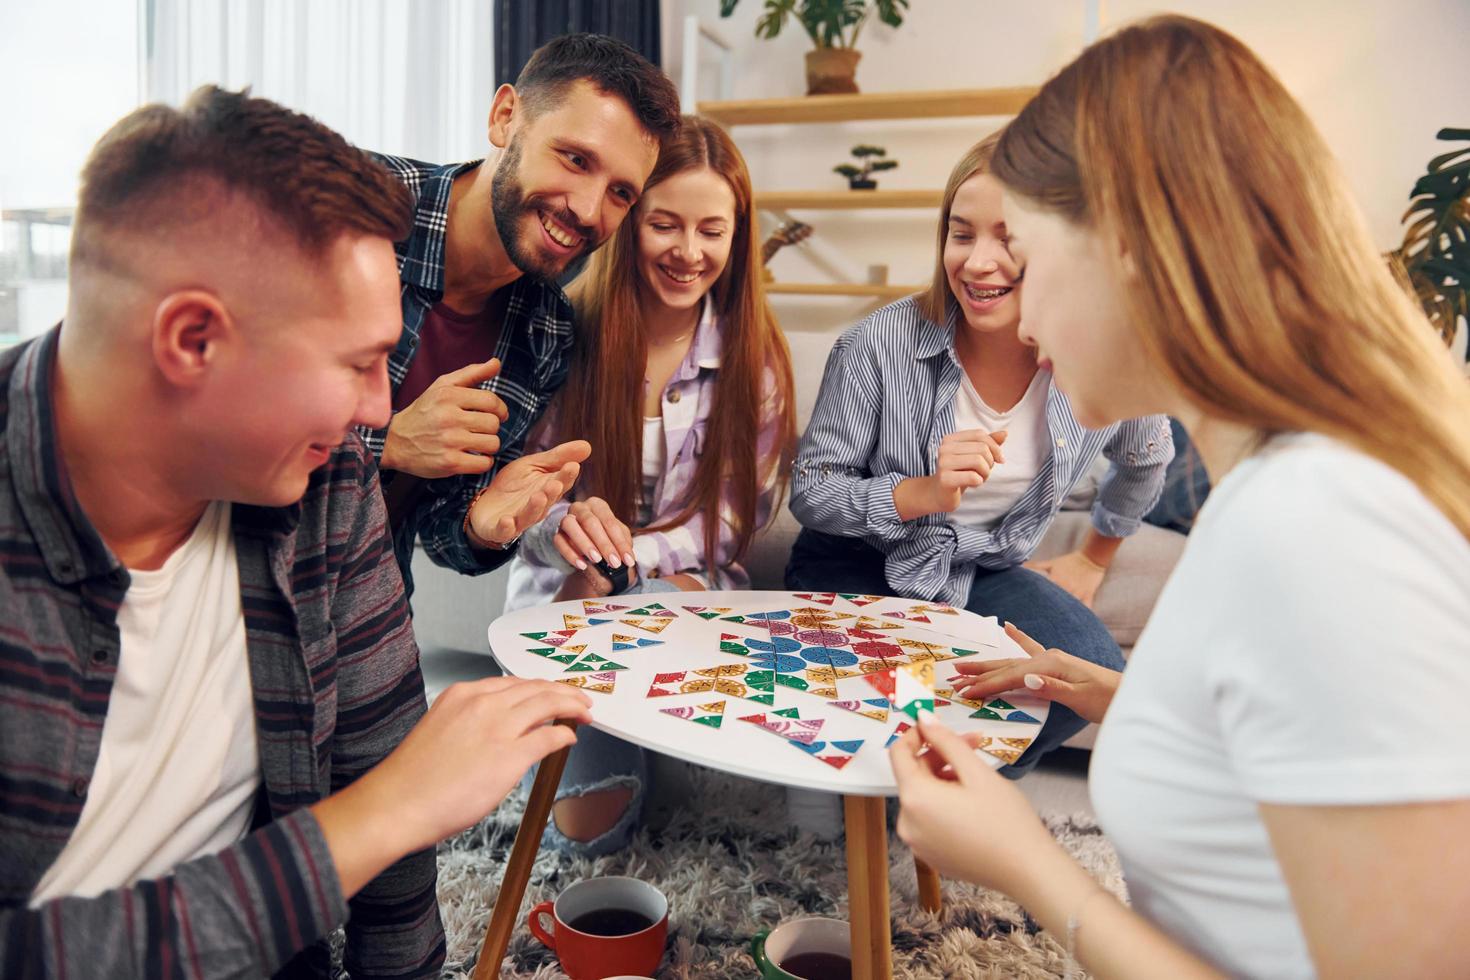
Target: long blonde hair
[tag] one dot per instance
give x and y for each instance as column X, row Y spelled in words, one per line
column 938, row 299
column 1259, row 293
column 602, row 400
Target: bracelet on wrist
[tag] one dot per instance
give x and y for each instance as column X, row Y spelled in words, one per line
column 484, row 544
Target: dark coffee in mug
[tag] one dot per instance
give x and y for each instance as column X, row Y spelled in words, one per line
column 611, row 922
column 818, row 966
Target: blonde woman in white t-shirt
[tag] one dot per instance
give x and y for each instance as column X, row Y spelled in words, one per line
column 1282, row 768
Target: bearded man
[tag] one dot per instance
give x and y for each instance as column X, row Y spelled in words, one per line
column 487, row 331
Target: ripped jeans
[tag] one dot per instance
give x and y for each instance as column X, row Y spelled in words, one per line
column 600, row 761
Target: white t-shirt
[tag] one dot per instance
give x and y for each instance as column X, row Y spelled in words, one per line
column 655, row 453
column 1026, row 448
column 178, row 767
column 1312, row 648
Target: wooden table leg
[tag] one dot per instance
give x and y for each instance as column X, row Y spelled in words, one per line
column 507, row 909
column 867, row 887
column 929, row 894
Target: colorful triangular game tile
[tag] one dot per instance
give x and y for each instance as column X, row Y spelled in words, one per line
column 836, row 753
column 730, row 643
column 903, row 726
column 653, row 609
column 910, row 687
column 949, row 694
column 779, row 662
column 593, row 608
column 788, row 724
column 662, row 684
column 825, row 598
column 602, row 683
column 935, row 608
column 874, row 708
column 869, row 623
column 648, row 623
column 711, row 714
column 829, row 675
column 908, row 616
column 860, row 600
column 594, row 662
column 709, row 612
column 553, row 638
column 1005, row 755
column 621, row 642
column 824, row 636
column 794, row 682
column 582, row 622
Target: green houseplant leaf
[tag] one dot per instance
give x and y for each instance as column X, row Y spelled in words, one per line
column 829, row 23
column 1435, row 254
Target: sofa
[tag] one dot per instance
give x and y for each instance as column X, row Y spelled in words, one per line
column 452, row 611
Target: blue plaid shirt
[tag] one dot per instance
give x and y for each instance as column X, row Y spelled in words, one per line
column 534, row 347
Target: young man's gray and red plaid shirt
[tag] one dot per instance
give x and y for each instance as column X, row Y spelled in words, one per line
column 335, row 677
column 534, row 347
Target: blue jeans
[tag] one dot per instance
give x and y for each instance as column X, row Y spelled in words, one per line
column 1186, row 485
column 1044, row 610
column 600, row 761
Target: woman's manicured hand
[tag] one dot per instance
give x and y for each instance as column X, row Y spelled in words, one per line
column 1053, row 675
column 589, row 533
column 961, row 817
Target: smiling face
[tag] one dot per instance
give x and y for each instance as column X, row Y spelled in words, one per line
column 983, row 276
column 303, row 368
column 568, row 176
column 685, row 228
column 1074, row 311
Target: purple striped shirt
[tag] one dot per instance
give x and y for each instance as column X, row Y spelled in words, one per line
column 688, row 399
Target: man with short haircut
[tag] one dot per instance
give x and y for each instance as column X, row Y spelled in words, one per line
column 213, row 747
column 487, row 330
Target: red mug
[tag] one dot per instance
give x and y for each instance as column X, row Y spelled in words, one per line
column 597, row 905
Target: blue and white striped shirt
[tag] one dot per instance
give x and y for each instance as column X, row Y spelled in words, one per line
column 886, row 402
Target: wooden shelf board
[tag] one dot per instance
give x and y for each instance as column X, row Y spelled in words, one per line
column 841, row 289
column 872, row 105
column 834, row 200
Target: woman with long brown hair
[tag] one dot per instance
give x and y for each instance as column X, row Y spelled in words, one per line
column 1282, row 768
column 681, row 380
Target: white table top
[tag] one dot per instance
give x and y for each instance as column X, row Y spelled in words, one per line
column 689, row 643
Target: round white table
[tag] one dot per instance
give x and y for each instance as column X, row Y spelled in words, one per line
column 709, row 677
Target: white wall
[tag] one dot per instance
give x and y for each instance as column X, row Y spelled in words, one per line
column 1379, row 79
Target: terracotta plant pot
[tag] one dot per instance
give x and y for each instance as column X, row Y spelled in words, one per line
column 832, row 71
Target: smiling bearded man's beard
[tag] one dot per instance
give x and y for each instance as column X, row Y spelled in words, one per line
column 508, row 205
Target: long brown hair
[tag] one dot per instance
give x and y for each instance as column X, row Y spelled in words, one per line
column 603, row 398
column 1260, row 294
column 937, row 300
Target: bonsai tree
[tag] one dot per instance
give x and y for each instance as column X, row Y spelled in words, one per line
column 1435, row 255
column 829, row 23
column 860, row 179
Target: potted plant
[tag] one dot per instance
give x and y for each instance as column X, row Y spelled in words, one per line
column 833, row 26
column 1435, row 255
column 860, row 179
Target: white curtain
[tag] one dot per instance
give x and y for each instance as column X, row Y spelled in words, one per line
column 413, row 79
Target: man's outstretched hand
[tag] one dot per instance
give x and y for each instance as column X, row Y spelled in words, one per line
column 522, row 492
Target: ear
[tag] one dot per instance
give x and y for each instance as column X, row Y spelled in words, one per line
column 504, row 109
column 190, row 330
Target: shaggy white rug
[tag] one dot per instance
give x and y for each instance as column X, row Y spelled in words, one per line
column 730, row 867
